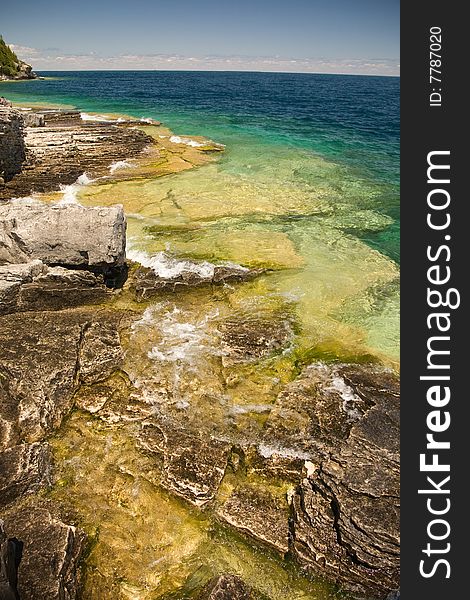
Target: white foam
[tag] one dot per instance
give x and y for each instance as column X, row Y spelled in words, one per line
column 176, row 139
column 181, row 341
column 120, row 164
column 96, row 118
column 168, row 267
column 70, row 192
column 83, row 179
column 348, row 396
column 145, row 320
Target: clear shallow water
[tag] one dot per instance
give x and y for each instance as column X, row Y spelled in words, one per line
column 308, row 188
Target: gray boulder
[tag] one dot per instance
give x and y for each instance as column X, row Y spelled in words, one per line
column 66, row 235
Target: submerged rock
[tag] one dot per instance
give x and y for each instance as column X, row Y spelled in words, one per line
column 51, row 550
column 171, row 274
column 62, row 235
column 251, row 338
column 226, row 587
column 24, row 469
column 193, row 467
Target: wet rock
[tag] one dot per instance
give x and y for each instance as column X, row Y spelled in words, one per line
column 62, row 235
column 259, row 513
column 226, row 587
column 270, row 463
column 12, row 277
column 251, row 338
column 100, row 352
column 344, row 421
column 41, row 355
column 193, row 467
column 180, row 274
column 24, row 469
column 50, row 553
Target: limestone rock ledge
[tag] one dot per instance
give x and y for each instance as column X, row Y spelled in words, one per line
column 344, row 420
column 43, row 149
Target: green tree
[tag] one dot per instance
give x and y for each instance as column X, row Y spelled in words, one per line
column 9, row 62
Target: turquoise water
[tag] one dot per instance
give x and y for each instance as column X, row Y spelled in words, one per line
column 309, row 180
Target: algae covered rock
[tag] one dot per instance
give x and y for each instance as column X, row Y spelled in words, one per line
column 24, row 469
column 226, row 587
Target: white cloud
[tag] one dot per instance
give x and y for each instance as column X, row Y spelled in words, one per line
column 48, row 60
column 24, row 50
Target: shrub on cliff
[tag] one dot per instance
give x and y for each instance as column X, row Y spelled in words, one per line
column 9, row 62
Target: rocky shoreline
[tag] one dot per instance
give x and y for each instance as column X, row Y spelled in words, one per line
column 319, row 485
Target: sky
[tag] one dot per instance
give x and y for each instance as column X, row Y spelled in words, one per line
column 319, row 36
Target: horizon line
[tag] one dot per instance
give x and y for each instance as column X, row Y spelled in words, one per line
column 211, row 71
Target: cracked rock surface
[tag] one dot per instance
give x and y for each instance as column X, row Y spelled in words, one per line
column 50, row 552
column 344, row 420
column 39, row 376
column 62, row 234
column 147, row 283
column 193, row 466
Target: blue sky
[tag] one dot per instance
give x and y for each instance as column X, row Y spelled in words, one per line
column 339, row 36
